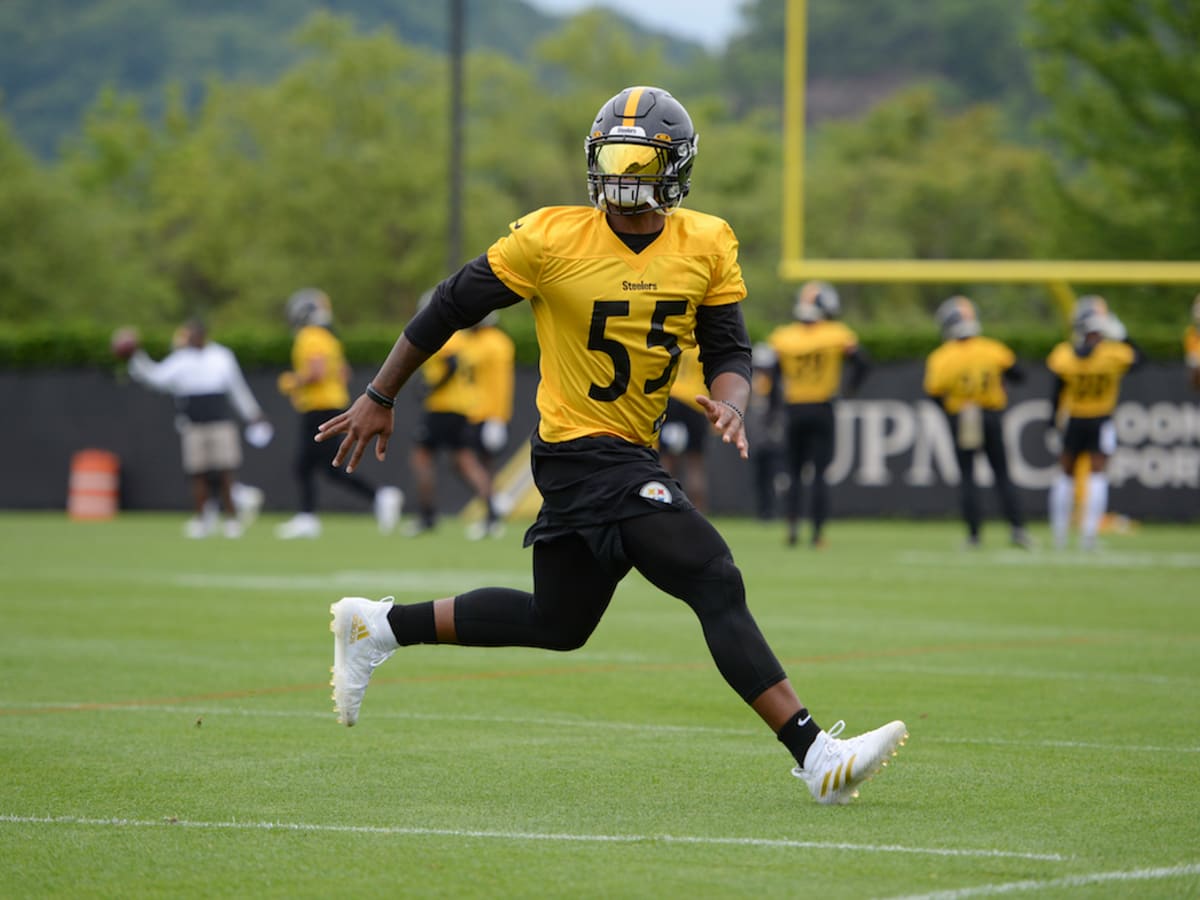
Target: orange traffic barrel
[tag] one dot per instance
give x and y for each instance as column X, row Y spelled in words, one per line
column 94, row 485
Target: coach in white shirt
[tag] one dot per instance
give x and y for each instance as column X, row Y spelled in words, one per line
column 208, row 386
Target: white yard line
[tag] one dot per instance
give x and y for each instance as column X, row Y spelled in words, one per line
column 1104, row 559
column 773, row 843
column 1069, row 881
column 647, row 728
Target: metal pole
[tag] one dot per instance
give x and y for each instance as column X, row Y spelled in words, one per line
column 454, row 235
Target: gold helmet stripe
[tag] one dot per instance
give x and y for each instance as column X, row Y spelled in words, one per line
column 631, row 106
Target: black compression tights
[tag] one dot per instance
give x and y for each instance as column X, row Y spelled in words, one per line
column 680, row 553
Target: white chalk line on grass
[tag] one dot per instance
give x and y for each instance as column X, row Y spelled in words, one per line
column 1068, row 881
column 1107, row 559
column 646, row 728
column 772, row 843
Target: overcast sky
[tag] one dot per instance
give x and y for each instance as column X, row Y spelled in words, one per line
column 710, row 22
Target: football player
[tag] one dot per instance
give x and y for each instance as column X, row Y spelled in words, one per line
column 966, row 375
column 1088, row 372
column 316, row 386
column 618, row 290
column 809, row 355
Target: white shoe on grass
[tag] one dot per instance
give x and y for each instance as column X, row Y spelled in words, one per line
column 362, row 639
column 301, row 525
column 247, row 502
column 833, row 769
column 388, row 501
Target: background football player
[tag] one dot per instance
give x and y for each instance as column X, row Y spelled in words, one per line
column 809, row 355
column 1087, row 384
column 966, row 375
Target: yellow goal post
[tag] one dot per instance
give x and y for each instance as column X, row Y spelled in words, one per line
column 1056, row 275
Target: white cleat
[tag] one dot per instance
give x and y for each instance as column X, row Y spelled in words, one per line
column 362, row 639
column 834, row 769
column 299, row 526
column 247, row 502
column 388, row 502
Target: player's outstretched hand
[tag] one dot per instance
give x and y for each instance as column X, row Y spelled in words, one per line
column 728, row 423
column 365, row 419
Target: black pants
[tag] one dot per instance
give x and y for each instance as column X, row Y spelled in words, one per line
column 679, row 552
column 810, row 428
column 313, row 457
column 993, row 449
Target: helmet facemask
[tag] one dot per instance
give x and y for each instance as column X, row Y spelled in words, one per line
column 630, row 174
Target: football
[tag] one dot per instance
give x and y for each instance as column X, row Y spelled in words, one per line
column 124, row 342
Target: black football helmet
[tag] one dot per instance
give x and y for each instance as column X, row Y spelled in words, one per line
column 957, row 319
column 309, row 306
column 816, row 301
column 640, row 152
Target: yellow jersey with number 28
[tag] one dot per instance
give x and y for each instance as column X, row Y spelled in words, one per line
column 1091, row 383
column 610, row 322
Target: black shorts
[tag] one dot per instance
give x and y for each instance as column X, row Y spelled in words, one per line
column 590, row 484
column 444, row 430
column 809, row 434
column 1097, row 435
column 685, row 430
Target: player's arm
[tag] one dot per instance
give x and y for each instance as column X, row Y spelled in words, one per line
column 1139, row 358
column 860, row 364
column 1056, row 391
column 458, row 302
column 725, row 357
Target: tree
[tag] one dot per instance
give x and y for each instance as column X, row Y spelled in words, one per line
column 1123, row 81
column 910, row 182
column 63, row 259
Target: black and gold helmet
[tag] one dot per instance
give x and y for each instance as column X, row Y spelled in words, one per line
column 640, row 152
column 816, row 301
column 309, row 306
column 957, row 319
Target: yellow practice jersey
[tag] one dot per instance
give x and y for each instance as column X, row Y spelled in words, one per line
column 1191, row 346
column 450, row 392
column 489, row 353
column 318, row 347
column 1092, row 383
column 810, row 359
column 969, row 371
column 607, row 318
column 689, row 381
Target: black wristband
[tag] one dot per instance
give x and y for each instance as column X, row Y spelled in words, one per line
column 734, row 408
column 382, row 399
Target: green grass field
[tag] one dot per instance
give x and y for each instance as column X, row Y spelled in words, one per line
column 166, row 728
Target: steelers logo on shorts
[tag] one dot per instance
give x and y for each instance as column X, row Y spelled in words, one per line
column 655, row 490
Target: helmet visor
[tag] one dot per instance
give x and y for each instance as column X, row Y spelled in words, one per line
column 630, row 159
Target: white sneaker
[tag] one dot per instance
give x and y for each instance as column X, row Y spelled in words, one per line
column 197, row 528
column 362, row 639
column 247, row 501
column 232, row 528
column 301, row 525
column 388, row 501
column 479, row 529
column 834, row 769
